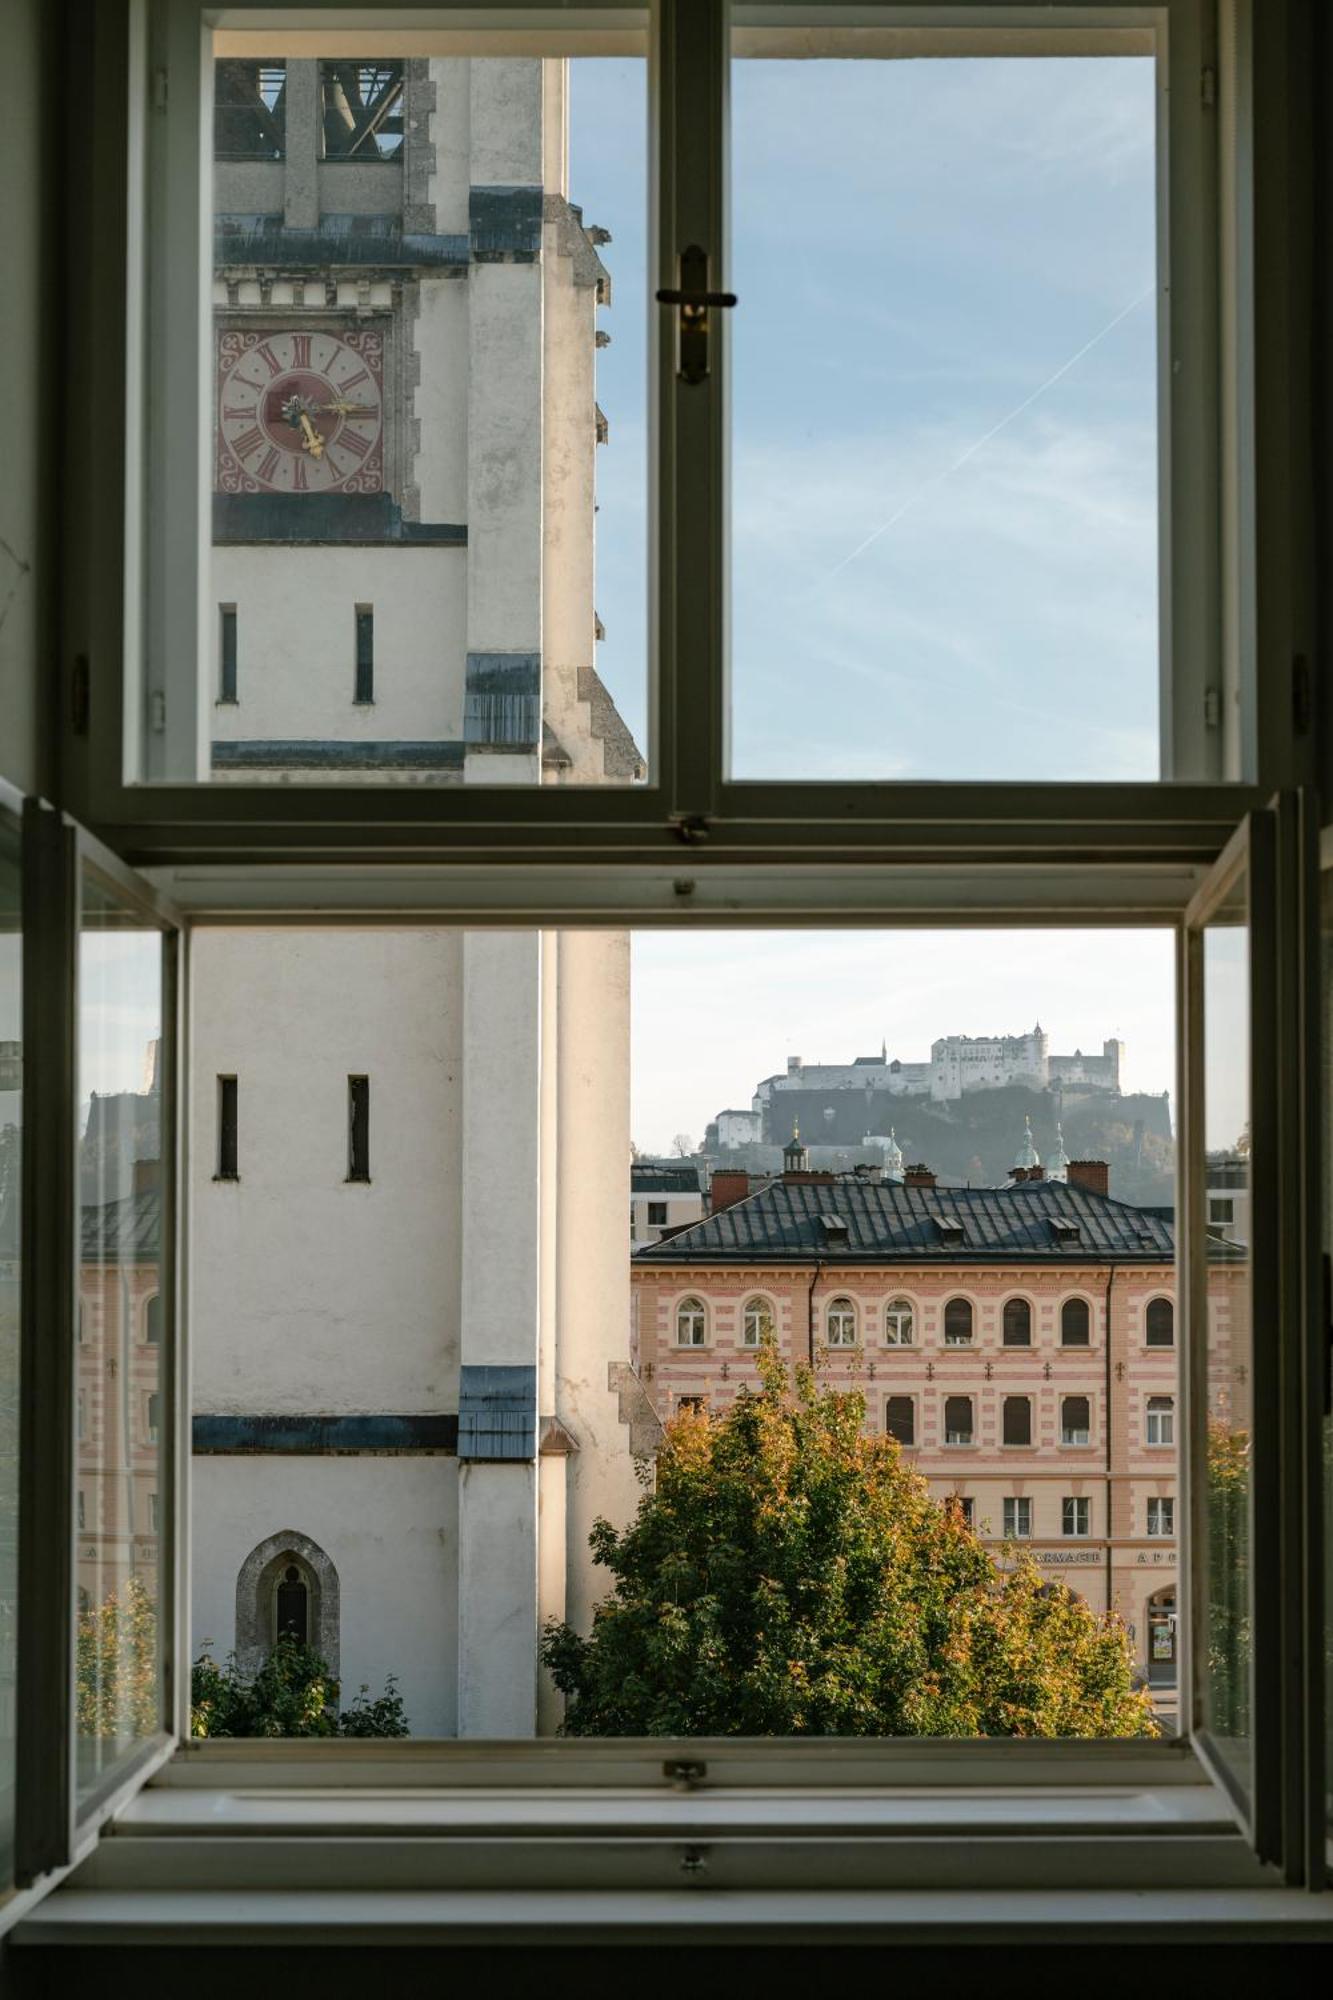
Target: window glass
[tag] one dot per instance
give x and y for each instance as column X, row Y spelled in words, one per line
column 900, row 1419
column 958, row 1323
column 691, row 1323
column 1075, row 1420
column 1075, row 1323
column 958, row 1420
column 1226, row 1639
column 121, row 1443
column 1017, row 1517
column 424, row 459
column 945, row 493
column 1076, row 1515
column 1017, row 1420
column 898, row 1323
column 1161, row 1424
column 11, row 1272
column 841, row 1323
column 757, row 1325
column 1160, row 1323
column 1017, row 1323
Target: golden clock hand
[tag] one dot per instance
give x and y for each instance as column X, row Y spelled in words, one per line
column 342, row 408
column 312, row 440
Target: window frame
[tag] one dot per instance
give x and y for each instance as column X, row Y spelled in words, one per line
column 944, row 853
column 902, row 1396
column 958, row 1299
column 961, row 1443
column 698, row 1311
column 845, row 1307
column 766, row 1306
column 901, row 1307
column 1015, row 1444
column 1077, row 1442
column 1015, row 1299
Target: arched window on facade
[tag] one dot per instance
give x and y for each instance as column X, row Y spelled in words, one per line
column 287, row 1584
column 691, row 1323
column 898, row 1323
column 840, row 1321
column 958, row 1323
column 1017, row 1323
column 152, row 1321
column 1075, row 1420
column 1075, row 1323
column 756, row 1323
column 1159, row 1323
column 291, row 1606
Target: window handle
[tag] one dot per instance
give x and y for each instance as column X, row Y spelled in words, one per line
column 694, row 299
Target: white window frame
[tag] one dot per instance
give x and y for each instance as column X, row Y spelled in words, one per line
column 844, row 1309
column 1160, row 1515
column 943, row 853
column 1159, row 1421
column 1012, row 1514
column 751, row 1342
column 696, row 1309
column 1076, row 1507
column 899, row 1310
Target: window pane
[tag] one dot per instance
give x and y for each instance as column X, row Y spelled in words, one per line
column 121, row 1442
column 11, row 1250
column 945, row 433
column 426, row 439
column 1226, row 1638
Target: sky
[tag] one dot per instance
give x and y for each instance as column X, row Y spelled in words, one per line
column 716, row 1012
column 944, row 513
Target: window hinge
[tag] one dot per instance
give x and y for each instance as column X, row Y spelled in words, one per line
column 78, row 696
column 1212, row 708
column 1208, row 85
column 157, row 711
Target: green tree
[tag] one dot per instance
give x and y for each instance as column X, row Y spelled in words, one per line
column 788, row 1576
column 118, row 1691
column 292, row 1694
column 1227, row 1649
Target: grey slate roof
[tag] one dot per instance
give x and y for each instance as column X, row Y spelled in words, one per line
column 646, row 1178
column 1035, row 1222
column 128, row 1231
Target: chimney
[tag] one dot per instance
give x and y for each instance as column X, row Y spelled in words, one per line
column 728, row 1186
column 1094, row 1175
column 147, row 1174
column 918, row 1176
column 1029, row 1173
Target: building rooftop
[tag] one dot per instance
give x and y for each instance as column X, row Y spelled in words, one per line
column 647, row 1177
column 1037, row 1221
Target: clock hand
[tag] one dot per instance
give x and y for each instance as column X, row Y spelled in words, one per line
column 312, row 441
column 342, row 408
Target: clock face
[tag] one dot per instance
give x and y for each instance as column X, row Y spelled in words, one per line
column 300, row 412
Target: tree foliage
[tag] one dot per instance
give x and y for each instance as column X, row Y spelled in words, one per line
column 1227, row 1649
column 118, row 1691
column 292, row 1694
column 789, row 1576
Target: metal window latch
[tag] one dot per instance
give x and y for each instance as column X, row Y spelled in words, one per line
column 694, row 299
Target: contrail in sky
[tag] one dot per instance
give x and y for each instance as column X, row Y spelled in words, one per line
column 937, row 478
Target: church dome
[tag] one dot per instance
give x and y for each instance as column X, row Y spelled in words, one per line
column 1027, row 1155
column 1057, row 1167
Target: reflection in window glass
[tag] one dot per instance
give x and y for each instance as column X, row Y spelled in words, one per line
column 945, row 433
column 1227, row 1639
column 120, row 1440
column 11, row 1124
column 417, row 405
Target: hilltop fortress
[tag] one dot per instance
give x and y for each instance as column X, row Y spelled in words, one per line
column 846, row 1098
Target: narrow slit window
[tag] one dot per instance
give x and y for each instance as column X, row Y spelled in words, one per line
column 365, row 653
column 228, row 1169
column 227, row 652
column 358, row 1128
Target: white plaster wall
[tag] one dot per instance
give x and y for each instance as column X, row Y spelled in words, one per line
column 504, row 449
column 594, row 1288
column 450, row 133
column 296, row 642
column 309, row 1293
column 497, row 1599
column 388, row 1525
column 440, row 399
column 505, row 120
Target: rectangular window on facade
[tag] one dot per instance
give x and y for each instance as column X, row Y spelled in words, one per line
column 1076, row 1515
column 1161, row 1421
column 1017, row 1420
column 967, row 1507
column 900, row 1419
column 153, row 1415
column 1075, row 1420
column 1221, row 1208
column 358, row 1128
column 227, row 1153
column 365, row 653
column 958, row 1420
column 1017, row 1518
column 226, row 652
column 657, row 1212
column 1161, row 1517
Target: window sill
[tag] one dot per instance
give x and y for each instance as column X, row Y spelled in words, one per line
column 397, row 1844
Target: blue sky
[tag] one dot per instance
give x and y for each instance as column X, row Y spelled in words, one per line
column 944, row 438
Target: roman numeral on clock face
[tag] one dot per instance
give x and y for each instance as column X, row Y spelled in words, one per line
column 269, row 358
column 300, row 350
column 238, row 410
column 298, row 476
column 249, row 441
column 361, row 375
column 268, row 464
column 355, row 443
